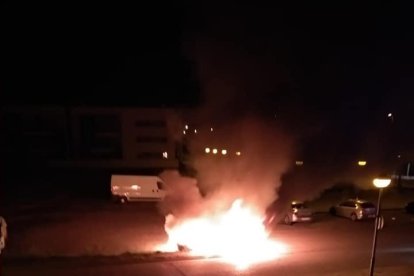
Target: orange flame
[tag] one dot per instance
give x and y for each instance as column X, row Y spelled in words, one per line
column 238, row 236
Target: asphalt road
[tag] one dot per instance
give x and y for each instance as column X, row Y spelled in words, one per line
column 328, row 246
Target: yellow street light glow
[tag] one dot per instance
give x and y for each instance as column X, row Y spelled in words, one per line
column 362, row 163
column 207, row 150
column 381, row 182
column 214, row 151
column 224, row 151
column 186, row 126
column 238, row 153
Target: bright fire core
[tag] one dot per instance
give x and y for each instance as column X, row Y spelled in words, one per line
column 237, row 235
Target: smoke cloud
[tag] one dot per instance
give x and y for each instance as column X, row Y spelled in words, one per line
column 237, row 117
column 256, row 155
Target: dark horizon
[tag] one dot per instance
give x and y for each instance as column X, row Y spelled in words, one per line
column 328, row 73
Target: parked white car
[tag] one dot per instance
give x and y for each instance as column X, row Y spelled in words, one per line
column 354, row 209
column 296, row 212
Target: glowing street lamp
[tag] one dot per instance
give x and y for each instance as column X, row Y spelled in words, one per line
column 362, row 163
column 224, row 151
column 207, row 150
column 214, row 151
column 380, row 183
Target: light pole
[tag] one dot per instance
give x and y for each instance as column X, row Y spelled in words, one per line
column 379, row 183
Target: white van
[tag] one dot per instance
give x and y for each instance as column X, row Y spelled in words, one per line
column 126, row 188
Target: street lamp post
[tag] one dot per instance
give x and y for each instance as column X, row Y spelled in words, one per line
column 379, row 183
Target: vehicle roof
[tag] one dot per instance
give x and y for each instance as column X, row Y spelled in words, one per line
column 297, row 202
column 359, row 201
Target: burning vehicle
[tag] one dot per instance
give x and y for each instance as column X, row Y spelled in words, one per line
column 236, row 235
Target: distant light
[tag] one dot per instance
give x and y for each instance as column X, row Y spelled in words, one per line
column 186, row 126
column 135, row 187
column 389, row 115
column 207, row 150
column 224, row 151
column 238, row 153
column 215, row 151
column 184, row 132
column 165, row 155
column 362, row 163
column 211, row 129
column 381, row 182
column 195, row 131
column 299, row 163
column 399, row 156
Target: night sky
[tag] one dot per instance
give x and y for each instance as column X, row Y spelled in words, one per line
column 331, row 70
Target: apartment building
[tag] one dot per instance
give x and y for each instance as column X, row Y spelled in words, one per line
column 90, row 137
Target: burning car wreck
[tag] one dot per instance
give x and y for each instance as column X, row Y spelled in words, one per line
column 236, row 235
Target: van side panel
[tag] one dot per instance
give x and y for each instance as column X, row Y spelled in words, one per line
column 137, row 187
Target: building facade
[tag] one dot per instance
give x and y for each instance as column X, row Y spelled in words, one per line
column 90, row 137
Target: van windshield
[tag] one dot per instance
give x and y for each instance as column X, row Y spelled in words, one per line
column 160, row 185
